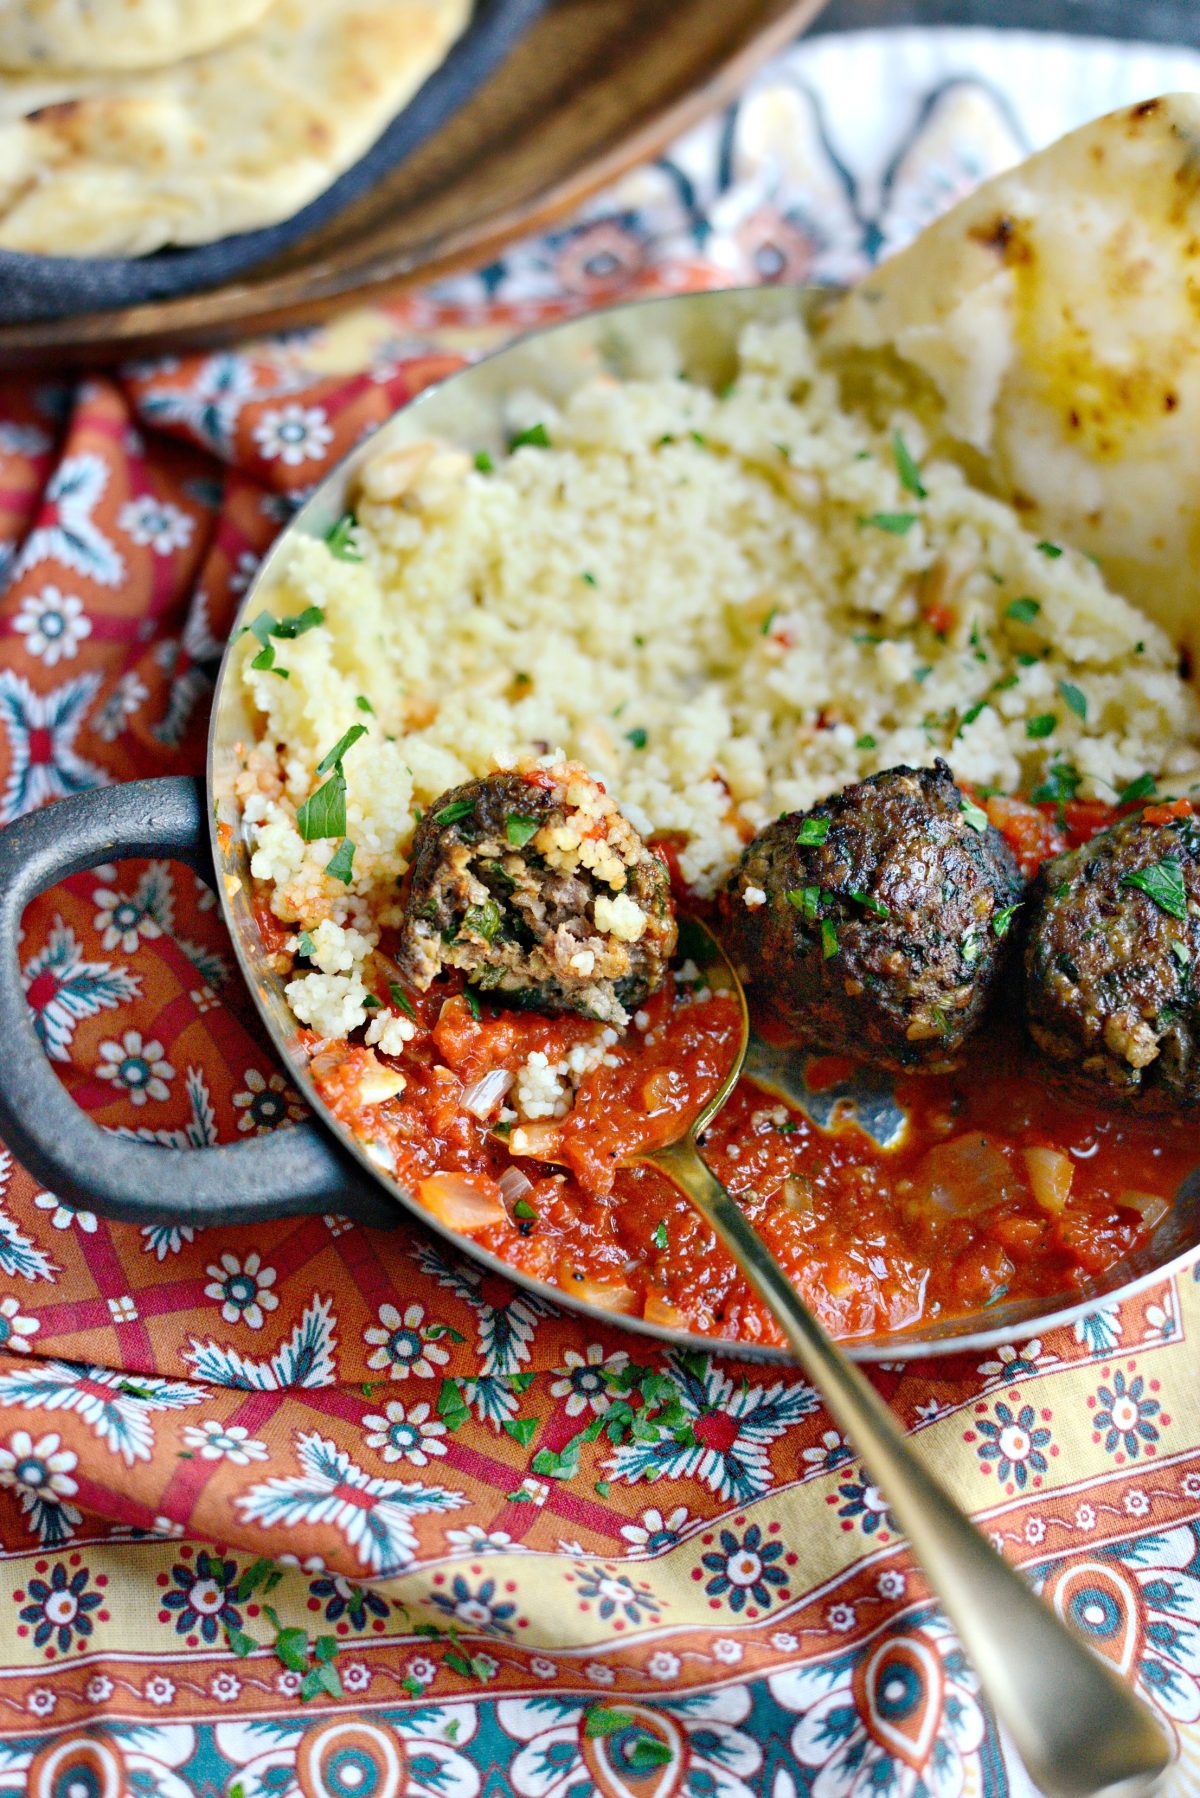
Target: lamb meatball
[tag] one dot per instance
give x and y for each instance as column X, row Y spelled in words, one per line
column 1111, row 993
column 536, row 886
column 876, row 922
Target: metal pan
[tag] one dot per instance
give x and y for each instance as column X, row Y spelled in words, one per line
column 317, row 1166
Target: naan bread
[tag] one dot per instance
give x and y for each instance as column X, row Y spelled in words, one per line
column 237, row 138
column 47, row 36
column 1057, row 312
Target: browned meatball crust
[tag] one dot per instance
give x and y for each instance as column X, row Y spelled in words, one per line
column 1111, row 963
column 537, row 888
column 876, row 924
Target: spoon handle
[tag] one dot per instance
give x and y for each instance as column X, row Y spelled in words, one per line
column 1079, row 1729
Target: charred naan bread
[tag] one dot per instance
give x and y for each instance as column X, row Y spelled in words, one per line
column 240, row 137
column 47, row 36
column 1056, row 312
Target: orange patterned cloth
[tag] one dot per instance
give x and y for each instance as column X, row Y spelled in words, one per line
column 300, row 1507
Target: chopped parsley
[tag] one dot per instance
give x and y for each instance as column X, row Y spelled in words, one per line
column 974, row 814
column 298, row 623
column 829, row 938
column 473, row 1005
column 485, row 920
column 323, row 813
column 970, row 948
column 805, row 900
column 398, row 996
column 659, row 1236
column 536, row 437
column 637, row 737
column 589, row 579
column 865, row 743
column 813, row 831
column 1002, row 920
column 340, row 865
column 334, row 757
column 484, row 463
column 1041, row 726
column 969, row 716
column 1060, row 783
column 372, row 1003
column 341, row 540
column 265, row 657
column 1182, row 955
column 769, row 620
column 906, row 468
column 1137, row 790
column 699, row 437
column 457, row 808
column 1024, row 611
column 1051, row 550
column 873, row 905
column 518, row 830
column 1162, row 882
column 306, row 945
column 524, row 1210
column 895, row 523
column 1074, row 697
column 364, row 704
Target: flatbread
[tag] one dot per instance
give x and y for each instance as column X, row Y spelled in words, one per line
column 1056, row 310
column 48, row 36
column 229, row 141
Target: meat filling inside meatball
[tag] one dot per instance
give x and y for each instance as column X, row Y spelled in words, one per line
column 876, row 924
column 1111, row 961
column 536, row 887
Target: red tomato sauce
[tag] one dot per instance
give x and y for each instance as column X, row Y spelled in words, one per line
column 951, row 1219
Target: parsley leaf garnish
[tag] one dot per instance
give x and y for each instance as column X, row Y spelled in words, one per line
column 906, row 468
column 813, row 831
column 1002, row 919
column 524, row 1210
column 334, row 757
column 896, row 523
column 536, row 437
column 305, row 943
column 323, row 813
column 637, row 737
column 974, row 814
column 299, row 623
column 659, row 1235
column 1074, row 697
column 1041, row 726
column 364, row 704
column 518, row 830
column 1060, row 782
column 829, row 938
column 483, row 462
column 399, row 997
column 340, row 865
column 1141, row 788
column 1162, row 882
column 1051, row 550
column 872, row 904
column 1024, row 611
column 341, row 540
column 457, row 808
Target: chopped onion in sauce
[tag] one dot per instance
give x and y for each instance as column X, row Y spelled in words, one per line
column 463, row 1202
column 483, row 1095
column 1151, row 1207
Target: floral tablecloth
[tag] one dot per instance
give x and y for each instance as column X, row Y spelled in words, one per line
column 301, row 1508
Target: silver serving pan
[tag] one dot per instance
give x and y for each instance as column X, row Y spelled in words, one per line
column 318, row 1166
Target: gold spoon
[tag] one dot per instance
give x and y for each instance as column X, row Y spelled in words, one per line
column 1079, row 1729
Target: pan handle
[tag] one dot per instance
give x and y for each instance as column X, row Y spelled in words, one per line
column 280, row 1174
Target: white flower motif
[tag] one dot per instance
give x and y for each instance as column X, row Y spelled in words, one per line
column 264, row 1103
column 728, row 1652
column 224, row 1687
column 656, row 1532
column 891, row 1584
column 122, row 920
column 156, row 524
column 111, row 714
column 242, row 1288
column 1085, row 1517
column 356, row 1677
column 293, row 434
column 166, row 1526
column 224, row 1442
column 287, row 1684
column 840, row 1617
column 53, row 624
column 599, row 1674
column 1035, row 1530
column 930, row 1410
column 582, row 1381
column 542, row 1667
column 1137, row 1504
column 159, row 1690
column 784, row 1641
column 137, row 1066
column 1012, row 1361
column 663, row 1665
column 406, row 1435
column 1190, row 1485
column 15, row 1330
column 820, row 1452
column 65, row 1215
column 39, row 1470
column 478, row 1541
column 244, row 571
column 41, row 1701
column 403, row 1344
column 484, row 1666
column 98, row 1688
column 422, row 1669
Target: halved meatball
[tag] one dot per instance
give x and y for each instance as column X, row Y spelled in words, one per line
column 536, row 886
column 1111, row 962
column 876, row 923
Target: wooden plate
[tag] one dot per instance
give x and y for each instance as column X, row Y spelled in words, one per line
column 595, row 87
